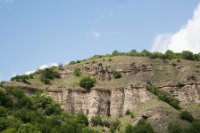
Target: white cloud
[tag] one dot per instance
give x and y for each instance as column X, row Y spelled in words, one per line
column 41, row 68
column 187, row 38
column 95, row 34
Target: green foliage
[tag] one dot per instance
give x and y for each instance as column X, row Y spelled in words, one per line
column 74, row 62
column 164, row 96
column 141, row 127
column 114, row 125
column 128, row 112
column 22, row 78
column 175, row 128
column 49, row 74
column 194, row 128
column 96, row 121
column 87, row 82
column 187, row 55
column 36, row 114
column 77, row 72
column 185, row 115
column 82, row 119
column 116, row 74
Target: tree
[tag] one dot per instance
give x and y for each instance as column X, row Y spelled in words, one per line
column 187, row 55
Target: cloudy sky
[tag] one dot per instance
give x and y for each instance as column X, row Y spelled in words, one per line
column 36, row 33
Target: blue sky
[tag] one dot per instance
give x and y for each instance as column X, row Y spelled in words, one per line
column 38, row 32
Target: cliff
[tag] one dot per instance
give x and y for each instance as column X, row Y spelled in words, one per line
column 117, row 102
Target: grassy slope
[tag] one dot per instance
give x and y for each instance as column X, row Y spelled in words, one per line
column 163, row 73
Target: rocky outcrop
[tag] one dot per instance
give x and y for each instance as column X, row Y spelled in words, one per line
column 117, row 102
column 185, row 93
column 100, row 101
column 134, row 69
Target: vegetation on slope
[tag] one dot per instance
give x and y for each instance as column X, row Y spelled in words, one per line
column 37, row 114
column 164, row 96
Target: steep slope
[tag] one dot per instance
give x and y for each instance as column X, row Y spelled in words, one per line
column 113, row 98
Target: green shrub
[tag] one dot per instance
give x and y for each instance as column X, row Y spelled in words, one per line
column 187, row 55
column 175, row 128
column 141, row 127
column 128, row 112
column 96, row 121
column 194, row 128
column 49, row 74
column 116, row 74
column 185, row 115
column 114, row 125
column 82, row 119
column 22, row 78
column 77, row 72
column 87, row 82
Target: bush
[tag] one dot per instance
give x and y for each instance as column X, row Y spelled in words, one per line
column 175, row 128
column 185, row 115
column 82, row 119
column 77, row 72
column 114, row 125
column 22, row 78
column 116, row 74
column 141, row 127
column 187, row 55
column 87, row 82
column 194, row 128
column 96, row 121
column 128, row 112
column 49, row 74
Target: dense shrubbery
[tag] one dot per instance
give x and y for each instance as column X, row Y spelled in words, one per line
column 22, row 78
column 87, row 82
column 141, row 127
column 112, row 124
column 116, row 74
column 185, row 115
column 176, row 128
column 36, row 114
column 96, row 121
column 164, row 96
column 187, row 55
column 49, row 74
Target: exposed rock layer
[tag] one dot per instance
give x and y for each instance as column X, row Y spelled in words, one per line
column 116, row 102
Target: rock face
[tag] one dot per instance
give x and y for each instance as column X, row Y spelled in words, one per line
column 100, row 102
column 117, row 102
column 186, row 93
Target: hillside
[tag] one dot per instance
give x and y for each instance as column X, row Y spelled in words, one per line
column 127, row 88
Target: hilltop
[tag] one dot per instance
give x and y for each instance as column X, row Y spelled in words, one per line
column 129, row 87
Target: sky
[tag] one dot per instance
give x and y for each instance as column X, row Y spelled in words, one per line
column 39, row 33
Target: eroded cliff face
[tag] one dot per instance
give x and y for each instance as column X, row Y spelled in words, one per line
column 186, row 93
column 103, row 102
column 116, row 102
